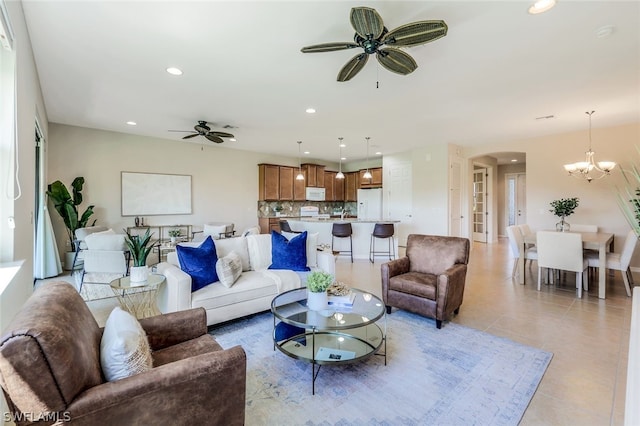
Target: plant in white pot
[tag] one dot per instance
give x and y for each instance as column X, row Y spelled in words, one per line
column 139, row 246
column 317, row 284
column 174, row 234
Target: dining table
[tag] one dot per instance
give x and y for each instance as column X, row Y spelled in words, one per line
column 600, row 241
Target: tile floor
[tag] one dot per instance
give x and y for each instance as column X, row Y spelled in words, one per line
column 585, row 382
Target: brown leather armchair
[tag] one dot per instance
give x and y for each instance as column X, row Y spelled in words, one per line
column 50, row 369
column 430, row 279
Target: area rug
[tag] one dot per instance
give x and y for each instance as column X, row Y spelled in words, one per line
column 452, row 376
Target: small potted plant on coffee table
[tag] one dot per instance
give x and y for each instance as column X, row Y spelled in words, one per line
column 139, row 246
column 317, row 284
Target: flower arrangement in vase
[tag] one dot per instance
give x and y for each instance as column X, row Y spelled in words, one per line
column 562, row 208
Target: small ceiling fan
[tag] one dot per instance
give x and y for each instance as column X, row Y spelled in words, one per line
column 373, row 36
column 201, row 129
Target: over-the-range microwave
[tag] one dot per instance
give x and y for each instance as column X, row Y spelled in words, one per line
column 315, row 194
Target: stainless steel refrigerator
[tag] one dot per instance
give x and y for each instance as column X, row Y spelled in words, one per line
column 370, row 204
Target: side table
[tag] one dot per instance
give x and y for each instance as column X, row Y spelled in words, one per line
column 139, row 299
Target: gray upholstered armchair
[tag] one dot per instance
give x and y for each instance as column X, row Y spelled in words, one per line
column 50, row 368
column 430, row 279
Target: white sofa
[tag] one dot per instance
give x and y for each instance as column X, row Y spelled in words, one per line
column 251, row 293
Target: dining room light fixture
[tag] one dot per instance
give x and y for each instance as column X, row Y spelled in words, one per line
column 584, row 169
column 340, row 175
column 300, row 175
column 367, row 174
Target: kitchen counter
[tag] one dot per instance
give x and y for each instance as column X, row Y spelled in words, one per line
column 362, row 229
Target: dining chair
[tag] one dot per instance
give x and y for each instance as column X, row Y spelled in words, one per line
column 562, row 251
column 619, row 261
column 584, row 228
column 525, row 230
column 516, row 243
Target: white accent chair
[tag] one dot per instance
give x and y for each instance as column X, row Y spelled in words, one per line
column 562, row 251
column 516, row 243
column 217, row 230
column 80, row 244
column 619, row 261
column 105, row 258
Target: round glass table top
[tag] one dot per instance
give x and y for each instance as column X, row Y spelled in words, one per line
column 291, row 307
column 125, row 283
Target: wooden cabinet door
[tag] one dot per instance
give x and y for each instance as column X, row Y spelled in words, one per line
column 311, row 174
column 299, row 187
column 320, row 176
column 268, row 182
column 338, row 189
column 286, row 183
column 376, row 177
column 350, row 186
column 329, row 185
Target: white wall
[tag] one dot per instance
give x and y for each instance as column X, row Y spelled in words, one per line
column 20, row 240
column 547, row 180
column 224, row 181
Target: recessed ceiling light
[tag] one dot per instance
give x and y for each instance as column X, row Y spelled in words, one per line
column 174, row 71
column 310, row 110
column 343, row 158
column 342, row 145
column 378, row 153
column 232, row 139
column 541, row 6
column 307, row 152
column 514, row 160
column 131, row 123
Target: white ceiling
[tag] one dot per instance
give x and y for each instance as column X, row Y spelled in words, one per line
column 102, row 63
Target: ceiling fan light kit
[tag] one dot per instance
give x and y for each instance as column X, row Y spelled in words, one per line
column 201, row 129
column 373, row 37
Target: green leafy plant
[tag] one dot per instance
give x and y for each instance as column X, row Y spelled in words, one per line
column 564, row 207
column 319, row 281
column 629, row 196
column 67, row 206
column 139, row 246
column 174, row 232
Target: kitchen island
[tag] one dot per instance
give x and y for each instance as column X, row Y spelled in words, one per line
column 362, row 230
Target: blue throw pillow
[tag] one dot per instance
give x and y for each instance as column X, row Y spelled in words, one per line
column 199, row 263
column 289, row 254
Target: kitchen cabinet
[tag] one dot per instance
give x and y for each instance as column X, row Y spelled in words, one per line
column 286, row 183
column 351, row 186
column 268, row 182
column 329, row 186
column 268, row 224
column 314, row 175
column 374, row 182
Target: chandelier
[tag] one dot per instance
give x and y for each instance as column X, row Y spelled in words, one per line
column 584, row 169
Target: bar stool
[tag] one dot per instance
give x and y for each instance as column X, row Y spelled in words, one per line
column 382, row 231
column 284, row 226
column 342, row 230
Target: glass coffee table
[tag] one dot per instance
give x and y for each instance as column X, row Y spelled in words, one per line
column 139, row 299
column 338, row 335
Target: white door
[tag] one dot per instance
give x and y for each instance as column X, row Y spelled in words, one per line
column 399, row 204
column 480, row 205
column 516, row 201
column 455, row 199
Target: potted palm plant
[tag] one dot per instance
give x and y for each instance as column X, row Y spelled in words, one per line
column 563, row 208
column 67, row 207
column 629, row 196
column 317, row 284
column 139, row 246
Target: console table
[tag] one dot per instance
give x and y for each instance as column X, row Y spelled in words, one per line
column 161, row 232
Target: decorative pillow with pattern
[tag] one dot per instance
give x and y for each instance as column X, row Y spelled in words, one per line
column 229, row 268
column 124, row 348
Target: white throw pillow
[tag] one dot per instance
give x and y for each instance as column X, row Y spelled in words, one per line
column 106, row 240
column 229, row 268
column 214, row 230
column 124, row 349
column 312, row 247
column 259, row 251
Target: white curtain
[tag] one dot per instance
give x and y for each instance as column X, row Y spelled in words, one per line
column 46, row 259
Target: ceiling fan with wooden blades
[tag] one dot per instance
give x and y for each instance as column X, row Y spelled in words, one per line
column 372, row 36
column 201, row 129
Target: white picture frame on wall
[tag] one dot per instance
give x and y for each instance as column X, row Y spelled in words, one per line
column 149, row 194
